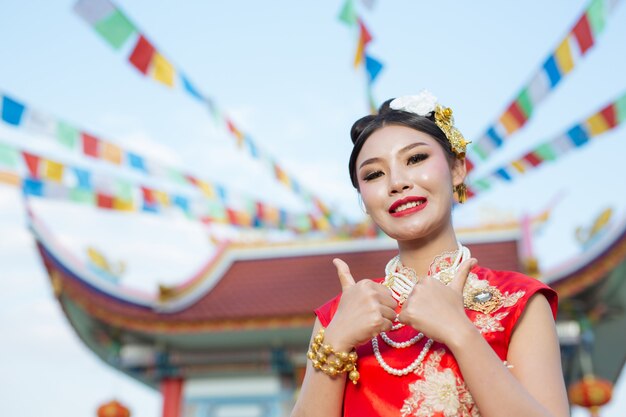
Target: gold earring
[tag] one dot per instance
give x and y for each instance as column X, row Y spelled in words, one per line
column 461, row 192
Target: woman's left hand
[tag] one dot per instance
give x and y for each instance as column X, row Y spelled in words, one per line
column 436, row 309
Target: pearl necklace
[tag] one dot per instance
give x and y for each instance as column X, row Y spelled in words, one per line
column 401, row 345
column 404, row 371
column 400, row 284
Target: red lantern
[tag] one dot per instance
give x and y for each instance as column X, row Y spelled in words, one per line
column 113, row 409
column 591, row 392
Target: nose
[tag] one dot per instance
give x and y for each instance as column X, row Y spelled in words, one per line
column 398, row 184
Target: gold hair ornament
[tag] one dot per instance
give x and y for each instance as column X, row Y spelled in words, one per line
column 423, row 104
column 445, row 121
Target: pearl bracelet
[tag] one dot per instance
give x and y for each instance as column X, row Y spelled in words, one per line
column 320, row 356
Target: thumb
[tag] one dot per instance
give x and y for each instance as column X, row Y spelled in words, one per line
column 458, row 283
column 345, row 278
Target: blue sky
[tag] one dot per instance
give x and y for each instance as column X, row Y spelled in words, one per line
column 282, row 70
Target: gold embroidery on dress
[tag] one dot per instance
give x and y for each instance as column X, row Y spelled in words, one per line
column 487, row 323
column 479, row 296
column 439, row 391
column 511, row 299
column 442, row 265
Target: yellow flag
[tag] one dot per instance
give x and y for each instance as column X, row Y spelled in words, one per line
column 161, row 197
column 519, row 166
column 597, row 124
column 564, row 56
column 207, row 189
column 123, row 205
column 53, row 171
column 162, row 70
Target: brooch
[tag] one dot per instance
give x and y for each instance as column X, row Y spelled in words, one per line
column 478, row 295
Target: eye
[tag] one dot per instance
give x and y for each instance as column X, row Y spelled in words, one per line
column 372, row 175
column 418, row 157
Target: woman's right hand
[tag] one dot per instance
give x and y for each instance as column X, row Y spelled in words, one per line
column 366, row 308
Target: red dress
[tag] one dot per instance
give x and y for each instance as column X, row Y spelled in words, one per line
column 494, row 302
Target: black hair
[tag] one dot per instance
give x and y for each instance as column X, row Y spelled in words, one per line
column 363, row 128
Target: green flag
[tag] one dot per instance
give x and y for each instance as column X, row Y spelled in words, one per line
column 67, row 134
column 8, row 156
column 83, row 196
column 348, row 13
column 115, row 28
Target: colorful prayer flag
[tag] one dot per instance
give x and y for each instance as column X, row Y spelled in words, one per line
column 53, row 171
column 373, row 67
column 141, row 57
column 190, row 88
column 8, row 156
column 564, row 57
column 67, row 134
column 116, row 29
column 32, row 164
column 136, row 161
column 348, row 13
column 582, row 33
column 12, row 111
column 33, row 187
column 91, row 145
column 83, row 178
column 162, row 70
column 93, row 11
column 111, row 152
column 364, row 39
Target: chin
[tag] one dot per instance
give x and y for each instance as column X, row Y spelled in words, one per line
column 407, row 234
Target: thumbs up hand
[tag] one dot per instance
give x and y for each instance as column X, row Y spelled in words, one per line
column 436, row 309
column 366, row 308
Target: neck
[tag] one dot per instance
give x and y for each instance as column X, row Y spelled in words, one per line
column 419, row 254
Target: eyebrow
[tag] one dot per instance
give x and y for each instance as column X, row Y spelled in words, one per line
column 403, row 150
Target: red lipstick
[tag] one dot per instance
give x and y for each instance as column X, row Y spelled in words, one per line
column 421, row 203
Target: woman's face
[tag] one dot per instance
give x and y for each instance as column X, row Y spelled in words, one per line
column 406, row 182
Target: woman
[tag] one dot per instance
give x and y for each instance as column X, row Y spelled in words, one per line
column 439, row 335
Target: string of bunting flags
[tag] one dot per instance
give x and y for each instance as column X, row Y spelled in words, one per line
column 577, row 136
column 570, row 51
column 118, row 30
column 362, row 58
column 48, row 178
column 19, row 115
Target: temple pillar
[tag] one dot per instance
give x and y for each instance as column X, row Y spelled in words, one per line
column 172, row 391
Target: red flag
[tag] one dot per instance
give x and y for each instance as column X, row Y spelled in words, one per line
column 104, row 201
column 582, row 32
column 148, row 196
column 142, row 55
column 364, row 39
column 365, row 35
column 90, row 145
column 609, row 115
column 517, row 113
column 532, row 158
column 192, row 180
column 32, row 163
column 232, row 216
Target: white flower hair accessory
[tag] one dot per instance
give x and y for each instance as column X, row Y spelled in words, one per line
column 421, row 104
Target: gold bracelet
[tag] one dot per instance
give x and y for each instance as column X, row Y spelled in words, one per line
column 320, row 356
